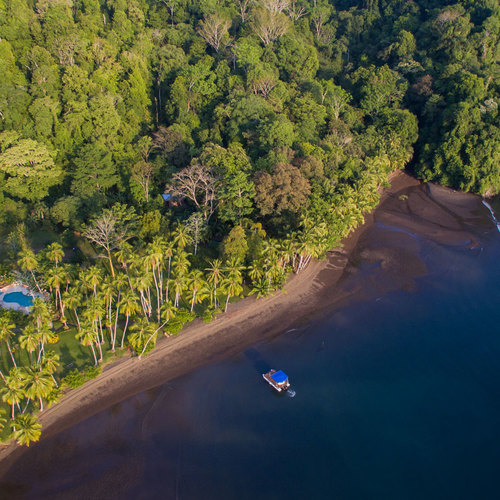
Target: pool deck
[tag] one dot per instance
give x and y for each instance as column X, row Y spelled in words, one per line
column 12, row 288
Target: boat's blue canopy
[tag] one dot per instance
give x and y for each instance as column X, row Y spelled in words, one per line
column 279, row 377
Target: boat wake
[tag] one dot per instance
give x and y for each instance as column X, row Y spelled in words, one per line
column 488, row 206
column 291, row 393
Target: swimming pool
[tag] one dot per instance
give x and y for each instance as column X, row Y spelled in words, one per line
column 18, row 298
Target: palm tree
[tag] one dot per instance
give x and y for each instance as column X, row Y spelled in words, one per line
column 26, row 429
column 143, row 332
column 50, row 364
column 13, row 393
column 232, row 283
column 181, row 235
column 196, row 284
column 41, row 312
column 6, row 332
column 168, row 311
column 154, row 257
column 261, row 288
column 215, row 275
column 94, row 313
column 87, row 336
column 45, row 335
column 168, row 253
column 149, row 263
column 129, row 306
column 178, row 284
column 93, row 277
column 54, row 278
column 255, row 271
column 55, row 252
column 29, row 339
column 123, row 257
column 28, row 262
column 142, row 284
column 108, row 292
column 38, row 385
column 73, row 299
column 120, row 283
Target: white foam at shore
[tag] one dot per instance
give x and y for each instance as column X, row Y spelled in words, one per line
column 488, row 206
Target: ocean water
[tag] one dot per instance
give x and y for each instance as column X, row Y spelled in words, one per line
column 396, row 397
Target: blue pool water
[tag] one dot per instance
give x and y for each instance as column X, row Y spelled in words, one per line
column 18, row 298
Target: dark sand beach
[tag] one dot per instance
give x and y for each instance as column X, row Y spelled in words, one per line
column 432, row 212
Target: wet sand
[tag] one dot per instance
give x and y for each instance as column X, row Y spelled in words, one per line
column 409, row 210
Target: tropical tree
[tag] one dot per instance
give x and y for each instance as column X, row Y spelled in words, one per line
column 29, row 340
column 120, row 284
column 215, row 275
column 55, row 252
column 196, row 285
column 232, row 288
column 39, row 384
column 143, row 331
column 6, row 332
column 55, row 278
column 45, row 335
column 73, row 299
column 26, row 429
column 129, row 306
column 124, row 256
column 232, row 283
column 88, row 337
column 27, row 261
column 13, row 392
column 50, row 364
column 41, row 313
column 168, row 311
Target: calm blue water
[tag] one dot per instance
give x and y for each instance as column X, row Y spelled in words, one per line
column 18, row 298
column 397, row 397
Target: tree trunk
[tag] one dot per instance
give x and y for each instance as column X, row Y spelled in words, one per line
column 124, row 330
column 100, row 351
column 116, row 321
column 34, row 279
column 157, row 295
column 77, row 318
column 110, row 263
column 193, row 300
column 11, row 355
column 93, row 352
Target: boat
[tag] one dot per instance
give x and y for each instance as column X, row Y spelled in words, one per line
column 278, row 379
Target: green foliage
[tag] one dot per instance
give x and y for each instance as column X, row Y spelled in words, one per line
column 92, row 372
column 75, row 378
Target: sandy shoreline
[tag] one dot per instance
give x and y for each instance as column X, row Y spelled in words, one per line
column 432, row 212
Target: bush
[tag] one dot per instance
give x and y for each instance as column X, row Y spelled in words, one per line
column 74, row 379
column 175, row 325
column 92, row 372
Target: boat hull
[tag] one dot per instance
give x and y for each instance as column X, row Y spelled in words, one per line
column 284, row 386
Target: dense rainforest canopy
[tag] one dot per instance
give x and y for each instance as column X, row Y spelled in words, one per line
column 206, row 148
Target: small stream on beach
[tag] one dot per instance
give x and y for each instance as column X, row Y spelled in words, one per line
column 396, row 397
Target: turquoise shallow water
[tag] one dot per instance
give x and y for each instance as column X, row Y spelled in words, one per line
column 18, row 298
column 397, row 397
